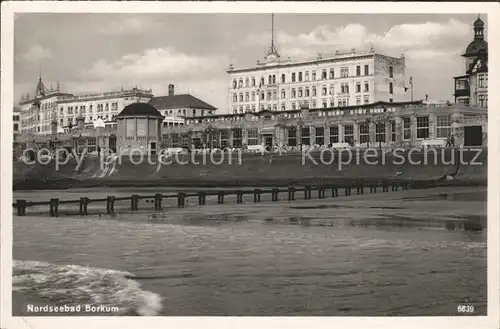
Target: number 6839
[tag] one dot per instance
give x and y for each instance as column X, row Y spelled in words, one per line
column 465, row 308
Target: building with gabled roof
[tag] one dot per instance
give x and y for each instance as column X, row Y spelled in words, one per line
column 175, row 108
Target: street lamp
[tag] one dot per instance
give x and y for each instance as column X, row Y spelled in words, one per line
column 300, row 125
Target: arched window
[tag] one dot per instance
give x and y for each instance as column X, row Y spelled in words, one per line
column 246, row 82
column 241, row 83
column 293, row 93
column 307, row 92
column 283, row 78
column 234, row 84
column 270, row 80
column 274, row 78
column 253, row 81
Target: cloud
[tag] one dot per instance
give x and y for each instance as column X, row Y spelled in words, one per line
column 153, row 64
column 128, row 26
column 37, row 53
column 400, row 38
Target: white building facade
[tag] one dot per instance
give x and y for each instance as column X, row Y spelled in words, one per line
column 341, row 80
column 38, row 112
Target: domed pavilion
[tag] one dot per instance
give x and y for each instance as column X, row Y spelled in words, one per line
column 139, row 129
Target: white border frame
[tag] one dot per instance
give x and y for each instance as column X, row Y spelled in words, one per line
column 7, row 42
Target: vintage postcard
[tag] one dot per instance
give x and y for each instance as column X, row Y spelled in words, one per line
column 219, row 164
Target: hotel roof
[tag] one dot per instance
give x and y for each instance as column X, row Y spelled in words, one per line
column 179, row 101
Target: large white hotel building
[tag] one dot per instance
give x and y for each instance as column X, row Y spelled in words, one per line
column 344, row 79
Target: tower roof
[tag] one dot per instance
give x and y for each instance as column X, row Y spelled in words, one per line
column 140, row 109
column 41, row 90
column 478, row 46
column 479, row 23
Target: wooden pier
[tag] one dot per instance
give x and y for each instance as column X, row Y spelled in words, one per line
column 108, row 203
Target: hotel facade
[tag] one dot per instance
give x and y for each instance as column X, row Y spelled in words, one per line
column 338, row 81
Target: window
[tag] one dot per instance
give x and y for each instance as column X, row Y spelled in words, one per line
column 283, row 93
column 325, row 103
column 364, row 136
column 253, row 108
column 253, row 136
column 332, row 73
column 292, row 136
column 91, row 144
column 358, row 87
column 358, row 70
column 332, row 90
column 358, row 100
column 293, row 93
column 323, row 74
column 482, row 100
column 391, row 89
column 275, row 94
column 332, row 102
column 300, row 76
column 344, row 88
column 274, row 79
column 247, row 97
column 423, row 127
column 253, row 81
column 344, row 72
column 224, row 138
column 461, row 84
column 300, row 92
column 323, row 91
column 391, row 100
column 393, row 130
column 262, row 81
column 307, row 92
column 305, row 136
column 307, row 76
column 270, row 80
column 314, row 104
column 443, row 126
column 237, row 138
column 240, row 85
column 247, row 82
column 380, row 132
column 262, row 96
column 294, row 106
column 349, row 133
column 481, row 81
column 391, row 72
column 367, row 87
column 234, row 84
column 314, row 91
column 314, row 75
column 320, row 135
column 241, row 97
column 366, row 99
column 293, row 77
column 253, row 96
column 334, row 134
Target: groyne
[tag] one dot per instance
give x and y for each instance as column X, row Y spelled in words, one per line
column 449, row 166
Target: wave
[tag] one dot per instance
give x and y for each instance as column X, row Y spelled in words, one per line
column 73, row 284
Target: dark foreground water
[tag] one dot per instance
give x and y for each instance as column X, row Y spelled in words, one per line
column 307, row 258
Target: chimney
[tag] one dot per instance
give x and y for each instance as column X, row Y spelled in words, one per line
column 170, row 90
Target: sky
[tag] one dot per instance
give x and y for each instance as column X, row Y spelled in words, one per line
column 87, row 52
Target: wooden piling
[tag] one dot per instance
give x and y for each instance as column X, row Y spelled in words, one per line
column 239, row 197
column 54, row 207
column 307, row 192
column 347, row 191
column 335, row 192
column 110, row 204
column 274, row 194
column 158, row 201
column 291, row 193
column 134, row 202
column 181, row 199
column 21, row 207
column 256, row 195
column 321, row 192
column 202, row 198
column 220, row 197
